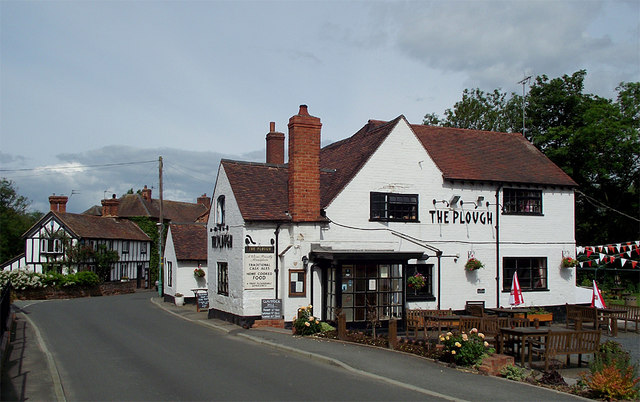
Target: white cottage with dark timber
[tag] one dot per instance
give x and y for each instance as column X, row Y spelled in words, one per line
column 345, row 226
column 46, row 241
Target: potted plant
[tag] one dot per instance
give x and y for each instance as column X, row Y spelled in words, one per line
column 179, row 299
column 198, row 272
column 568, row 262
column 416, row 282
column 473, row 264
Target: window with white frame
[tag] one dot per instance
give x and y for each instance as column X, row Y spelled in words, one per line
column 125, row 247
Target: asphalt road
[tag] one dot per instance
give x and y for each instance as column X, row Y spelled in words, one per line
column 126, row 348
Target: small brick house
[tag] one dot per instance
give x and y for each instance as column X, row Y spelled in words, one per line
column 346, row 226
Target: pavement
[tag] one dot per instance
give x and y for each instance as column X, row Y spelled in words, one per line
column 30, row 373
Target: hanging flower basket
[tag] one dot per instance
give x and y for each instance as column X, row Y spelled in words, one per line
column 473, row 264
column 198, row 273
column 568, row 262
column 416, row 281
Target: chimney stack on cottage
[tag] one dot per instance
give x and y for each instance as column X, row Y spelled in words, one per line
column 58, row 203
column 304, row 166
column 146, row 193
column 275, row 145
column 110, row 206
column 204, row 200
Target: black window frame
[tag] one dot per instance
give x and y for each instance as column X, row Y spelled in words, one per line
column 125, row 247
column 386, row 207
column 169, row 273
column 223, row 278
column 522, row 201
column 426, row 293
column 527, row 277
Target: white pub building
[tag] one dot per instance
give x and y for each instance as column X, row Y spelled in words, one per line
column 346, row 226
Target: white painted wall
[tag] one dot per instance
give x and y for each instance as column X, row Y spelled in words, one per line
column 402, row 165
column 183, row 280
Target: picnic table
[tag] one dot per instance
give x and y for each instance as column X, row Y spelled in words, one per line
column 520, row 336
column 511, row 312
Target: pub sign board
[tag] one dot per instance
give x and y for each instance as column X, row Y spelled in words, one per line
column 271, row 309
column 259, row 266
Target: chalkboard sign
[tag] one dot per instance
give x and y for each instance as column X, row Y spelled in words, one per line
column 271, row 309
column 202, row 298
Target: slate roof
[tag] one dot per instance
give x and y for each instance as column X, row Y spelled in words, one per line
column 461, row 155
column 135, row 205
column 190, row 241
column 97, row 227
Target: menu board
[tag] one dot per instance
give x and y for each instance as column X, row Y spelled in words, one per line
column 271, row 309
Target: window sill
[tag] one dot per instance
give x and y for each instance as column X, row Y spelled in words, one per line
column 394, row 220
column 523, row 213
column 426, row 298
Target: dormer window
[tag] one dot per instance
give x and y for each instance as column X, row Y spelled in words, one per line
column 220, row 218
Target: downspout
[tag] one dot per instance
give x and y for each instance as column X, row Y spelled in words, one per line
column 439, row 255
column 277, row 257
column 498, row 210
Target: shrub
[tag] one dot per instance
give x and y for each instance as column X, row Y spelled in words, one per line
column 464, row 349
column 514, row 373
column 86, row 279
column 611, row 353
column 305, row 323
column 613, row 383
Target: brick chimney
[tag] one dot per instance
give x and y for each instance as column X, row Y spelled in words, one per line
column 275, row 145
column 110, row 206
column 58, row 203
column 146, row 193
column 204, row 200
column 304, row 166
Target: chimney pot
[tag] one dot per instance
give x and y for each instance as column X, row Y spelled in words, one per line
column 58, row 203
column 272, row 127
column 303, row 111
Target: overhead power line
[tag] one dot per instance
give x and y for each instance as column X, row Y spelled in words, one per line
column 75, row 167
column 593, row 201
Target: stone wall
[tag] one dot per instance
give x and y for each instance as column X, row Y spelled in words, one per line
column 104, row 289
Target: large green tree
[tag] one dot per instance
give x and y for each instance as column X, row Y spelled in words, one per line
column 15, row 219
column 594, row 139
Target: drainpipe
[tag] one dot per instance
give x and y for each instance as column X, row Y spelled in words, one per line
column 277, row 257
column 439, row 255
column 498, row 210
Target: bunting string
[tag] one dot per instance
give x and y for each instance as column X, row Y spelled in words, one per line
column 627, row 253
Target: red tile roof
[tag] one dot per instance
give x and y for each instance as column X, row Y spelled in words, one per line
column 486, row 156
column 135, row 205
column 190, row 241
column 259, row 188
column 97, row 227
column 461, row 155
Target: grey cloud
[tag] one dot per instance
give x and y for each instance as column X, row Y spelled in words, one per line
column 186, row 175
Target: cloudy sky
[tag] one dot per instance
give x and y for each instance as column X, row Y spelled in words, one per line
column 93, row 92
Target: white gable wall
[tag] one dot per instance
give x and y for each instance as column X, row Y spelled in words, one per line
column 402, row 165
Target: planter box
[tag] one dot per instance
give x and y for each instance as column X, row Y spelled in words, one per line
column 548, row 317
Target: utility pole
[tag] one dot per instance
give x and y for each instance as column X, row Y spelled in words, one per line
column 160, row 230
column 523, row 82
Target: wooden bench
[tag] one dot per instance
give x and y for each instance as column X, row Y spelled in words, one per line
column 581, row 314
column 632, row 314
column 475, row 308
column 417, row 319
column 566, row 343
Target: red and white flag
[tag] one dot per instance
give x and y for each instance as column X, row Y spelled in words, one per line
column 597, row 300
column 515, row 297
